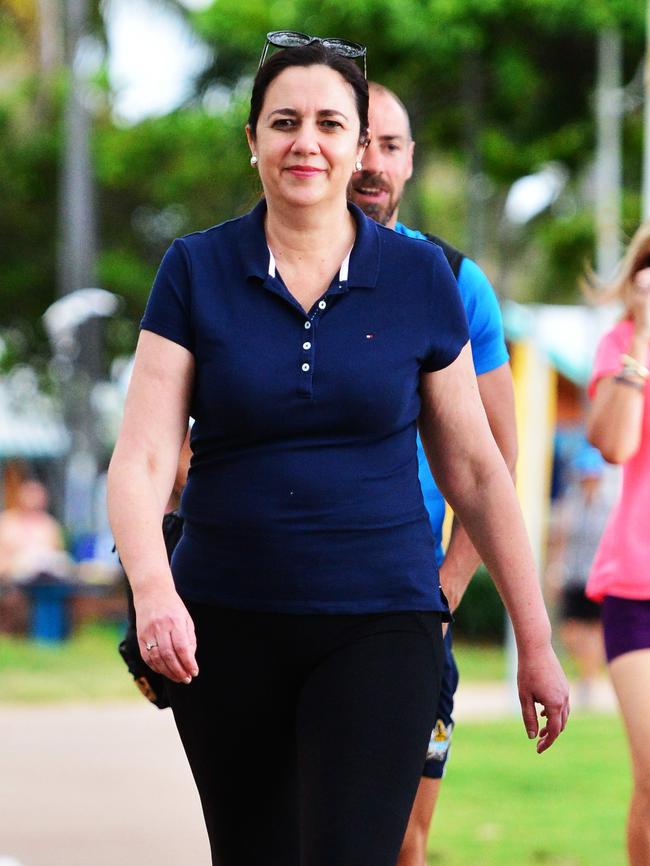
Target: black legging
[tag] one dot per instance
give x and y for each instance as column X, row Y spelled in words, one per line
column 306, row 734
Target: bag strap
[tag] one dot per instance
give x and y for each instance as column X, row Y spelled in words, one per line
column 453, row 256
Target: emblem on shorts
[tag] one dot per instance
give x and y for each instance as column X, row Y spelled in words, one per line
column 440, row 741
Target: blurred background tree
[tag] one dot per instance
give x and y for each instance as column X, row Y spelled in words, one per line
column 497, row 89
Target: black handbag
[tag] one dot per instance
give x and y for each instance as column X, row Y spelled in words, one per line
column 150, row 683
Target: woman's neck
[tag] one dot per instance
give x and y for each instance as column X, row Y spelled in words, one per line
column 295, row 234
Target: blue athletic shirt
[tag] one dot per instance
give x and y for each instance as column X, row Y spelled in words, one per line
column 303, row 492
column 488, row 350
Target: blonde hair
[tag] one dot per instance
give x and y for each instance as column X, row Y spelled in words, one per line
column 620, row 286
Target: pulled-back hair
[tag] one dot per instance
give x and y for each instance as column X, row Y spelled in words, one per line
column 620, row 287
column 314, row 54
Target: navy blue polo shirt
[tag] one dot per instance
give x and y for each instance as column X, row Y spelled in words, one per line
column 303, row 492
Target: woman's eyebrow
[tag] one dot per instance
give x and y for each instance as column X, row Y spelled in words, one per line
column 330, row 112
column 323, row 112
column 290, row 111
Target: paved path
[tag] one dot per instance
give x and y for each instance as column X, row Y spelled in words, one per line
column 84, row 785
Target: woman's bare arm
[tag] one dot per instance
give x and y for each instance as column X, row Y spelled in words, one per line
column 140, row 480
column 474, row 478
column 614, row 419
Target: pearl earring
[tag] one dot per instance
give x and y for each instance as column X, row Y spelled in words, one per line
column 358, row 165
column 253, row 160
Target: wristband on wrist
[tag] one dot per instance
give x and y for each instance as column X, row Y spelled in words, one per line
column 623, row 379
column 633, row 367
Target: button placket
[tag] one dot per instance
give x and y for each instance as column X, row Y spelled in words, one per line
column 305, row 387
column 306, row 373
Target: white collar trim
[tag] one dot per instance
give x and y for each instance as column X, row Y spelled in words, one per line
column 343, row 270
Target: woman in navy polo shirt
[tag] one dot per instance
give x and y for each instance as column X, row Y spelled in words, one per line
column 308, row 342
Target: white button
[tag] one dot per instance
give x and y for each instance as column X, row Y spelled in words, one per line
column 321, row 305
column 306, row 346
column 305, row 368
column 307, row 325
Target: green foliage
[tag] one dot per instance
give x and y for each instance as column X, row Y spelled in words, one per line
column 28, row 168
column 566, row 249
column 162, row 178
column 480, row 615
column 511, row 79
column 508, row 81
column 438, row 201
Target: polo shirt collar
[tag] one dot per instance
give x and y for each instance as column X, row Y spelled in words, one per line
column 364, row 258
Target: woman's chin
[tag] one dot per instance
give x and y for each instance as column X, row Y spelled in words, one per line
column 294, row 195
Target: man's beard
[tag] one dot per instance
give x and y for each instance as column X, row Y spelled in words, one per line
column 377, row 211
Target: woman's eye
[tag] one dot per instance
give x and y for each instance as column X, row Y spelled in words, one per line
column 283, row 123
column 330, row 124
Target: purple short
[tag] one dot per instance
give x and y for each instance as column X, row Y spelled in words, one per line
column 626, row 625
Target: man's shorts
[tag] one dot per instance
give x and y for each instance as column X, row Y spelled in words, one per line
column 440, row 742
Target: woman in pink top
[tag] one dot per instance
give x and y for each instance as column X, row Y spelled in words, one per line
column 619, row 426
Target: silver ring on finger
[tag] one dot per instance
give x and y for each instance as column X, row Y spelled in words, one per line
column 149, row 645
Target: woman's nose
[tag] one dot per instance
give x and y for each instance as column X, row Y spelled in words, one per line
column 306, row 140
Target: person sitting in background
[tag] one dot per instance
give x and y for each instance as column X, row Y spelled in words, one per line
column 31, row 540
column 31, row 548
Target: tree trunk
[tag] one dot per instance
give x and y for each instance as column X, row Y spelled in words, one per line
column 609, row 111
column 77, row 243
column 646, row 123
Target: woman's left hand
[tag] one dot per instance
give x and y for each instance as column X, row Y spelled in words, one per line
column 541, row 680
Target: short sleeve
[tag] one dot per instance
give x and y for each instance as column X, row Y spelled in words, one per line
column 484, row 318
column 608, row 357
column 449, row 330
column 168, row 309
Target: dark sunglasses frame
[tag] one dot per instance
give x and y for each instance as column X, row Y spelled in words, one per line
column 293, row 39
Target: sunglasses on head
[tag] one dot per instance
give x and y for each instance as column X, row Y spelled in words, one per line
column 294, row 39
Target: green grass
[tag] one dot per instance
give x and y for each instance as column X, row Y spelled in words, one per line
column 484, row 663
column 503, row 805
column 88, row 667
column 480, row 663
column 85, row 668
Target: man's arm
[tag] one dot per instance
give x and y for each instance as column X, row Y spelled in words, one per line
column 461, row 559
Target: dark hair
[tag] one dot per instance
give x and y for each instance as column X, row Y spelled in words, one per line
column 314, row 54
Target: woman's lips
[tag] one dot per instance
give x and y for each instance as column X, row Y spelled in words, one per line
column 304, row 170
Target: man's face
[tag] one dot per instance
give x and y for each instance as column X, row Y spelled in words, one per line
column 387, row 162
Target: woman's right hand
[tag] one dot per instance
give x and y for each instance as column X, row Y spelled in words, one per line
column 166, row 634
column 541, row 680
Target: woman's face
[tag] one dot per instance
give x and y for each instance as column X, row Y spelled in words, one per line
column 307, row 137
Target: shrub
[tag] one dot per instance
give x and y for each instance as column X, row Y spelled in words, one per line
column 481, row 614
